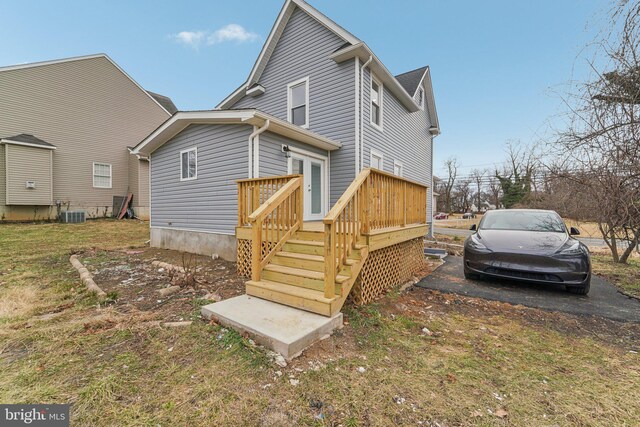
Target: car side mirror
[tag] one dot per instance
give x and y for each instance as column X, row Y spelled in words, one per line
column 473, row 227
column 574, row 231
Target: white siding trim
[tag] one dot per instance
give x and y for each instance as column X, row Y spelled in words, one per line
column 93, row 174
column 256, row 156
column 304, row 80
column 186, row 151
column 357, row 115
column 27, row 144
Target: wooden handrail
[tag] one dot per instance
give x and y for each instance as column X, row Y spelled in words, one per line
column 274, row 221
column 274, row 201
column 374, row 200
column 253, row 192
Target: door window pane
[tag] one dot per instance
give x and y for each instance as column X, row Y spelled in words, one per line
column 298, row 167
column 316, row 188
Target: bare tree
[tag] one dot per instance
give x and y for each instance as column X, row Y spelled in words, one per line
column 600, row 148
column 517, row 173
column 452, row 172
column 477, row 176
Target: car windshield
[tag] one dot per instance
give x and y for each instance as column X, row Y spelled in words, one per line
column 523, row 221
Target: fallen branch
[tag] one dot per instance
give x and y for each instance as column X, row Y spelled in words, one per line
column 86, row 277
column 167, row 266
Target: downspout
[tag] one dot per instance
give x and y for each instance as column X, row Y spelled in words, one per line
column 361, row 142
column 256, row 149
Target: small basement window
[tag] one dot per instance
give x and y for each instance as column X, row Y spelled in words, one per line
column 397, row 168
column 376, row 102
column 377, row 160
column 101, row 175
column 298, row 102
column 189, row 164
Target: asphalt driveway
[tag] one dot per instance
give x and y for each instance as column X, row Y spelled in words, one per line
column 603, row 300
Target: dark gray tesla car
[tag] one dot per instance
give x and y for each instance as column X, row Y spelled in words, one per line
column 528, row 245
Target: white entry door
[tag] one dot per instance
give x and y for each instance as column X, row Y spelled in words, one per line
column 313, row 169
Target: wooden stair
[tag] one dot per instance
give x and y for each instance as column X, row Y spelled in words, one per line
column 295, row 275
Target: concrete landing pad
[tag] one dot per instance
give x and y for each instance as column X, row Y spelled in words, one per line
column 286, row 330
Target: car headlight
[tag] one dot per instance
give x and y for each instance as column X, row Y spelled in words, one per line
column 571, row 249
column 475, row 244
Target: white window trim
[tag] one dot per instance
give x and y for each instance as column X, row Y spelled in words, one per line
column 380, row 126
column 186, row 151
column 304, row 80
column 397, row 163
column 376, row 153
column 94, row 174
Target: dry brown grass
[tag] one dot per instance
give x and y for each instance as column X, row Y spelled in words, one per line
column 122, row 369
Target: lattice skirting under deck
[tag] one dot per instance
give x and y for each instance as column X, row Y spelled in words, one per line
column 243, row 261
column 386, row 268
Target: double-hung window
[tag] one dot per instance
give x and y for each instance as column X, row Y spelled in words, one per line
column 376, row 102
column 189, row 164
column 101, row 175
column 298, row 102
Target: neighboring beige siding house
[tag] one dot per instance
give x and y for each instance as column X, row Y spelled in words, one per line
column 65, row 131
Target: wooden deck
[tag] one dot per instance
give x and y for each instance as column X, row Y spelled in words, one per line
column 314, row 265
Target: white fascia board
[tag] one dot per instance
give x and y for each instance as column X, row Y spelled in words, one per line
column 430, row 100
column 255, row 91
column 362, row 51
column 26, row 144
column 182, row 119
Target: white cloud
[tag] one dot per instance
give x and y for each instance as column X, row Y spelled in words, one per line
column 231, row 33
column 190, row 38
column 228, row 33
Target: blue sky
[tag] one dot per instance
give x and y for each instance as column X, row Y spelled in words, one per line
column 495, row 64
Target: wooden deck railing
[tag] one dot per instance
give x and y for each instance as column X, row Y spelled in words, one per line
column 275, row 220
column 375, row 200
column 254, row 192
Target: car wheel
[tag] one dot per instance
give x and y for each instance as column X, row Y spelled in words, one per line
column 580, row 290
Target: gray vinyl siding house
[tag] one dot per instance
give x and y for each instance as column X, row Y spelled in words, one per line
column 59, row 118
column 253, row 133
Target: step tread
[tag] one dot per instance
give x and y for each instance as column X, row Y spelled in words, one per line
column 318, row 275
column 305, row 242
column 292, row 290
column 309, row 257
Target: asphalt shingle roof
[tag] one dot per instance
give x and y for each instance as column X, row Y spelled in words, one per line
column 28, row 139
column 411, row 79
column 165, row 101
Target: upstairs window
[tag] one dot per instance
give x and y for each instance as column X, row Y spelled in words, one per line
column 298, row 102
column 421, row 98
column 101, row 175
column 377, row 160
column 376, row 102
column 189, row 164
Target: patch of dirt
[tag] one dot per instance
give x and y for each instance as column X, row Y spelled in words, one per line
column 129, row 278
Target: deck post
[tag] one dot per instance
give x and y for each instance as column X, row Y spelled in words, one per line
column 256, row 250
column 329, row 261
column 404, row 204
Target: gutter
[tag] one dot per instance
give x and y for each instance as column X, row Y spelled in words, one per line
column 360, row 144
column 254, row 160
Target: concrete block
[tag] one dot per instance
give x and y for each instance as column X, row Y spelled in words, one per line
column 196, row 242
column 285, row 330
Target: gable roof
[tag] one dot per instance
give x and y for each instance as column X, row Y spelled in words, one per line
column 411, row 79
column 351, row 48
column 82, row 58
column 179, row 121
column 165, row 101
column 28, row 140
